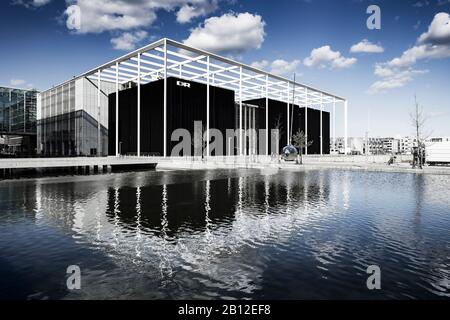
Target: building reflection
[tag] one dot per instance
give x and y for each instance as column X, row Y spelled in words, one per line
column 201, row 224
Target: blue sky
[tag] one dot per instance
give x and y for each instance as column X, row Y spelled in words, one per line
column 39, row 50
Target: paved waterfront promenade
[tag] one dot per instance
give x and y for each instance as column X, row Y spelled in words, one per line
column 361, row 163
column 358, row 163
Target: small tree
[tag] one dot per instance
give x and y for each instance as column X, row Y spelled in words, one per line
column 299, row 141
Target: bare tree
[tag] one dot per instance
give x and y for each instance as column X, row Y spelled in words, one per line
column 299, row 141
column 418, row 121
column 199, row 142
column 278, row 125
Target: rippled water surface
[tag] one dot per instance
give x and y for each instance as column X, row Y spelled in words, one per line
column 226, row 234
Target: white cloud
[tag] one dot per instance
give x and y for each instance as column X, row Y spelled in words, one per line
column 230, row 33
column 433, row 44
column 188, row 11
column 128, row 40
column 412, row 55
column 392, row 78
column 365, row 46
column 383, row 71
column 438, row 32
column 32, row 3
column 39, row 3
column 280, row 67
column 17, row 82
column 262, row 65
column 325, row 56
column 111, row 15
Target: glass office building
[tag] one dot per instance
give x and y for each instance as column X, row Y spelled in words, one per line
column 18, row 121
column 68, row 116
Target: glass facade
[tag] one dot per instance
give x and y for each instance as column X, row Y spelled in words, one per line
column 67, row 123
column 17, row 111
column 17, row 122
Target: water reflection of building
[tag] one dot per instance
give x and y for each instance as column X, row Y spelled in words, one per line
column 205, row 222
column 185, row 209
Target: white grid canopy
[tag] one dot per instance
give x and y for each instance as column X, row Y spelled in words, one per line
column 166, row 57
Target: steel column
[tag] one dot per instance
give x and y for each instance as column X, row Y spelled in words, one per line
column 267, row 116
column 306, row 123
column 240, row 113
column 288, row 117
column 207, row 107
column 99, row 138
column 139, row 107
column 117, row 109
column 321, row 124
column 334, row 124
column 345, row 126
column 165, row 98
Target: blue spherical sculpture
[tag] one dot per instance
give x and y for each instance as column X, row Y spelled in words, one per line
column 290, row 153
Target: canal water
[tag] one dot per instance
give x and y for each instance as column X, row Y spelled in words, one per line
column 226, row 234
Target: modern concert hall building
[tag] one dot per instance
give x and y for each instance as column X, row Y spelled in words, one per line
column 133, row 104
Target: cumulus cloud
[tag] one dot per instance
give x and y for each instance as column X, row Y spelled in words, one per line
column 325, row 56
column 111, row 15
column 230, row 33
column 129, row 40
column 433, row 44
column 365, row 46
column 392, row 78
column 262, row 65
column 188, row 11
column 420, row 52
column 438, row 32
column 20, row 83
column 31, row 3
column 279, row 67
column 39, row 3
column 17, row 82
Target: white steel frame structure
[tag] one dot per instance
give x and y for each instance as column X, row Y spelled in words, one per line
column 165, row 58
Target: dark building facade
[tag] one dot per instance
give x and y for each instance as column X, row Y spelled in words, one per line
column 278, row 120
column 186, row 103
